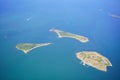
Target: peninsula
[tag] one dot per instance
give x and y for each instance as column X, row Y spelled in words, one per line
column 94, row 59
column 27, row 47
column 70, row 35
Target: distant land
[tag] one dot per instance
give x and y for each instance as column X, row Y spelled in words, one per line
column 70, row 35
column 109, row 13
column 94, row 59
column 114, row 15
column 27, row 47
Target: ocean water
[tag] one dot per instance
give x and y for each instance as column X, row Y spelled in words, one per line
column 30, row 21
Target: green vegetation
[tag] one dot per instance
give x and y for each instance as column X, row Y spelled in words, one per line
column 26, row 47
column 70, row 35
column 90, row 58
column 94, row 59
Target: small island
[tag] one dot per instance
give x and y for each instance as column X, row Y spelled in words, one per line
column 26, row 47
column 70, row 35
column 94, row 59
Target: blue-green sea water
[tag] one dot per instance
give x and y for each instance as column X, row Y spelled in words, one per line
column 30, row 20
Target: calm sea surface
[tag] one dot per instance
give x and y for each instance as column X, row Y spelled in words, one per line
column 30, row 20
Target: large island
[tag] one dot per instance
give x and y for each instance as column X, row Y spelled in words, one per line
column 70, row 35
column 26, row 47
column 94, row 59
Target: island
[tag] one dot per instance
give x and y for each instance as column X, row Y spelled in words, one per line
column 94, row 59
column 70, row 35
column 26, row 47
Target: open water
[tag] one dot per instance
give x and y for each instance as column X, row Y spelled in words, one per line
column 30, row 20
